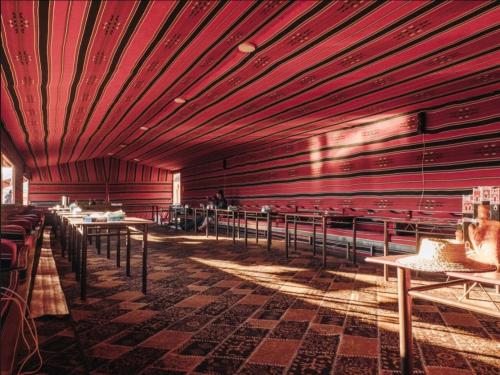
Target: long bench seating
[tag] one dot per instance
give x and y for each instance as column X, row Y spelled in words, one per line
column 20, row 234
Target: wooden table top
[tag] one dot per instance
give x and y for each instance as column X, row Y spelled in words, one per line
column 487, row 276
column 389, row 260
column 480, row 277
column 126, row 221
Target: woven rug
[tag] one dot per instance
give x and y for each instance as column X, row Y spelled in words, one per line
column 217, row 308
column 48, row 297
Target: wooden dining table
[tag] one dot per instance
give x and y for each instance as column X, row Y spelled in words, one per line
column 138, row 225
column 406, row 292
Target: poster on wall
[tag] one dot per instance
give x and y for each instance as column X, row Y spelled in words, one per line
column 495, row 203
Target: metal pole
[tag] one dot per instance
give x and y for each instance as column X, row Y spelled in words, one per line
column 128, row 253
column 207, row 221
column 118, row 245
column 108, row 244
column 83, row 279
column 286, row 235
column 239, row 226
column 269, row 231
column 234, row 232
column 324, row 222
column 295, row 233
column 386, row 249
column 354, row 233
column 145, row 259
column 195, row 217
column 257, row 228
column 246, row 228
column 98, row 240
column 314, row 237
column 216, row 225
column 79, row 248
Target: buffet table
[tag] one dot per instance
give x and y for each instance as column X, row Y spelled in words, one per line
column 80, row 233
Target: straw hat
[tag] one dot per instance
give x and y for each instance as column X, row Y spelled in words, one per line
column 442, row 255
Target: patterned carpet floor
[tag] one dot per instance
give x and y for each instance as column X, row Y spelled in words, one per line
column 214, row 307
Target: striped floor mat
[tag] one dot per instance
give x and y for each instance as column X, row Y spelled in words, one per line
column 48, row 297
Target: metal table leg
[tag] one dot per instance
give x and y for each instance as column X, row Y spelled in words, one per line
column 83, row 280
column 127, row 265
column 145, row 259
column 108, row 243
column 314, row 237
column 118, row 248
column 269, row 232
column 324, row 241
column 256, row 229
column 286, row 236
column 386, row 249
column 246, row 228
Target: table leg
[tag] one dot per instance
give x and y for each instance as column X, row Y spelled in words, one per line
column 286, row 237
column 108, row 244
column 145, row 259
column 127, row 265
column 118, row 247
column 216, row 225
column 257, row 229
column 83, row 280
column 314, row 237
column 246, row 229
column 239, row 226
column 324, row 241
column 295, row 234
column 207, row 221
column 269, row 232
column 98, row 240
column 386, row 250
column 234, row 227
column 195, row 217
column 63, row 236
column 79, row 247
column 405, row 329
column 71, row 244
column 354, row 234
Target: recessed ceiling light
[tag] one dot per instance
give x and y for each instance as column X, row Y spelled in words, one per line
column 111, row 153
column 246, row 47
column 144, row 128
column 123, row 145
column 180, row 100
column 137, row 159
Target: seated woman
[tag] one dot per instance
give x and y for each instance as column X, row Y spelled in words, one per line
column 217, row 202
column 484, row 237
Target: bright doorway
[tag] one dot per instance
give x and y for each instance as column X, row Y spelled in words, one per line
column 176, row 188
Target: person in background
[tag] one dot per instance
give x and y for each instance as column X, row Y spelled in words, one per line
column 484, row 236
column 218, row 202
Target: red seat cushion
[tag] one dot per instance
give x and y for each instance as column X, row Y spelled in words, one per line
column 25, row 224
column 8, row 253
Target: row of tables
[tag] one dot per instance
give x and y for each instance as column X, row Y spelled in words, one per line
column 76, row 234
column 236, row 222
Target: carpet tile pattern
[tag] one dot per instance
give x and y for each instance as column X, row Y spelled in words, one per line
column 218, row 308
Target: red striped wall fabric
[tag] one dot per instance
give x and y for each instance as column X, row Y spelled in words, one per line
column 322, row 113
column 129, row 183
column 383, row 164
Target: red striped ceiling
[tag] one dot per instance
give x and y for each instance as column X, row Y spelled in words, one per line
column 80, row 79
